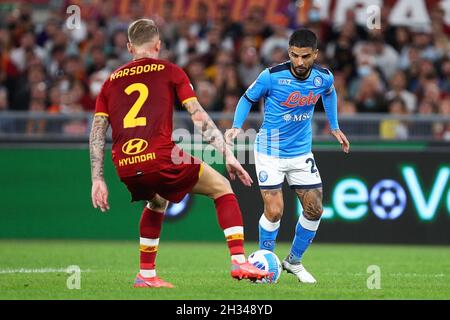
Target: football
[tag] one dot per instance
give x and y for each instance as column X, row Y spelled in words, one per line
column 268, row 261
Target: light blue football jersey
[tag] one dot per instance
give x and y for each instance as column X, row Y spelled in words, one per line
column 286, row 131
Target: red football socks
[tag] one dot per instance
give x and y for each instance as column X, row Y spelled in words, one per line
column 150, row 229
column 230, row 220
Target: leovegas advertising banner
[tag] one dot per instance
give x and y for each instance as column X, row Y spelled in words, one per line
column 369, row 197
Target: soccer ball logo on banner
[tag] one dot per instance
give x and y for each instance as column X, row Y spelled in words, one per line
column 388, row 199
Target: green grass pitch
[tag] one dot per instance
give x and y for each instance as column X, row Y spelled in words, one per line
column 201, row 271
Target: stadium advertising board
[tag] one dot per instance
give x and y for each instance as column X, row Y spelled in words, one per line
column 374, row 197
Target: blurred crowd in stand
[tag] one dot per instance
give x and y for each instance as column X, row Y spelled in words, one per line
column 47, row 67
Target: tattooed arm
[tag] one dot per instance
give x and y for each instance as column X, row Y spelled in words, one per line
column 213, row 136
column 206, row 126
column 97, row 145
column 97, row 139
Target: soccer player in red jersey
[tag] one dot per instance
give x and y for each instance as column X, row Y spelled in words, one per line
column 137, row 101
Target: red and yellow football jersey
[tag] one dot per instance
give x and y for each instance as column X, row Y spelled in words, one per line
column 138, row 99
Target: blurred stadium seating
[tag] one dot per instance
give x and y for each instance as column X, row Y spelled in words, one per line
column 393, row 81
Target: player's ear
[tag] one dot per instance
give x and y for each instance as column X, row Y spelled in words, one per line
column 158, row 46
column 130, row 47
column 316, row 52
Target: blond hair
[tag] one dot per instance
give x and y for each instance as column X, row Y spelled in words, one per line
column 142, row 31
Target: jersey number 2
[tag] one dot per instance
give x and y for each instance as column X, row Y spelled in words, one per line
column 313, row 164
column 131, row 120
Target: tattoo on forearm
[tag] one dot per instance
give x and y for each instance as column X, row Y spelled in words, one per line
column 195, row 111
column 311, row 200
column 97, row 145
column 206, row 126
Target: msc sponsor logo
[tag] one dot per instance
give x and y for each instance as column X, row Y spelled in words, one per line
column 296, row 99
column 297, row 117
column 134, row 146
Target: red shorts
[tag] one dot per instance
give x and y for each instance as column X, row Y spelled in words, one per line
column 172, row 183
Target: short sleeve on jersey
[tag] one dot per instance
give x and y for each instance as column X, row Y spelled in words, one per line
column 183, row 86
column 259, row 88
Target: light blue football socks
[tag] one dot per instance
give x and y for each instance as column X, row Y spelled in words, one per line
column 268, row 232
column 304, row 235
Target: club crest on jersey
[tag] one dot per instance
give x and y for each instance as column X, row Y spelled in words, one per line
column 318, row 81
column 263, row 176
column 296, row 99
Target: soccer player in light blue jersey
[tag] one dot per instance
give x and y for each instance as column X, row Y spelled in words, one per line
column 283, row 143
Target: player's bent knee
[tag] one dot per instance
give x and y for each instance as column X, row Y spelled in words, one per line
column 158, row 204
column 274, row 217
column 273, row 212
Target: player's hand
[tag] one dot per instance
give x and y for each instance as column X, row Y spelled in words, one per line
column 340, row 136
column 234, row 169
column 99, row 195
column 231, row 134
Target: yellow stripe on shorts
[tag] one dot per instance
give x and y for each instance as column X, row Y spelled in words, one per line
column 201, row 170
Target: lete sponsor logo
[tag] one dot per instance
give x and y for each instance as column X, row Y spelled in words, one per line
column 296, row 99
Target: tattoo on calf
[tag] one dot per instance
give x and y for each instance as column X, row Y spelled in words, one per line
column 311, row 200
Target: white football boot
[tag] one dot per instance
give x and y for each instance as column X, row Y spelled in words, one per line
column 298, row 270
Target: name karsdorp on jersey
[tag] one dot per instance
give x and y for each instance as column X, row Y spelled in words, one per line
column 138, row 99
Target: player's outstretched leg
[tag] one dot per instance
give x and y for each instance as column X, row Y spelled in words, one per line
column 305, row 231
column 150, row 229
column 215, row 186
